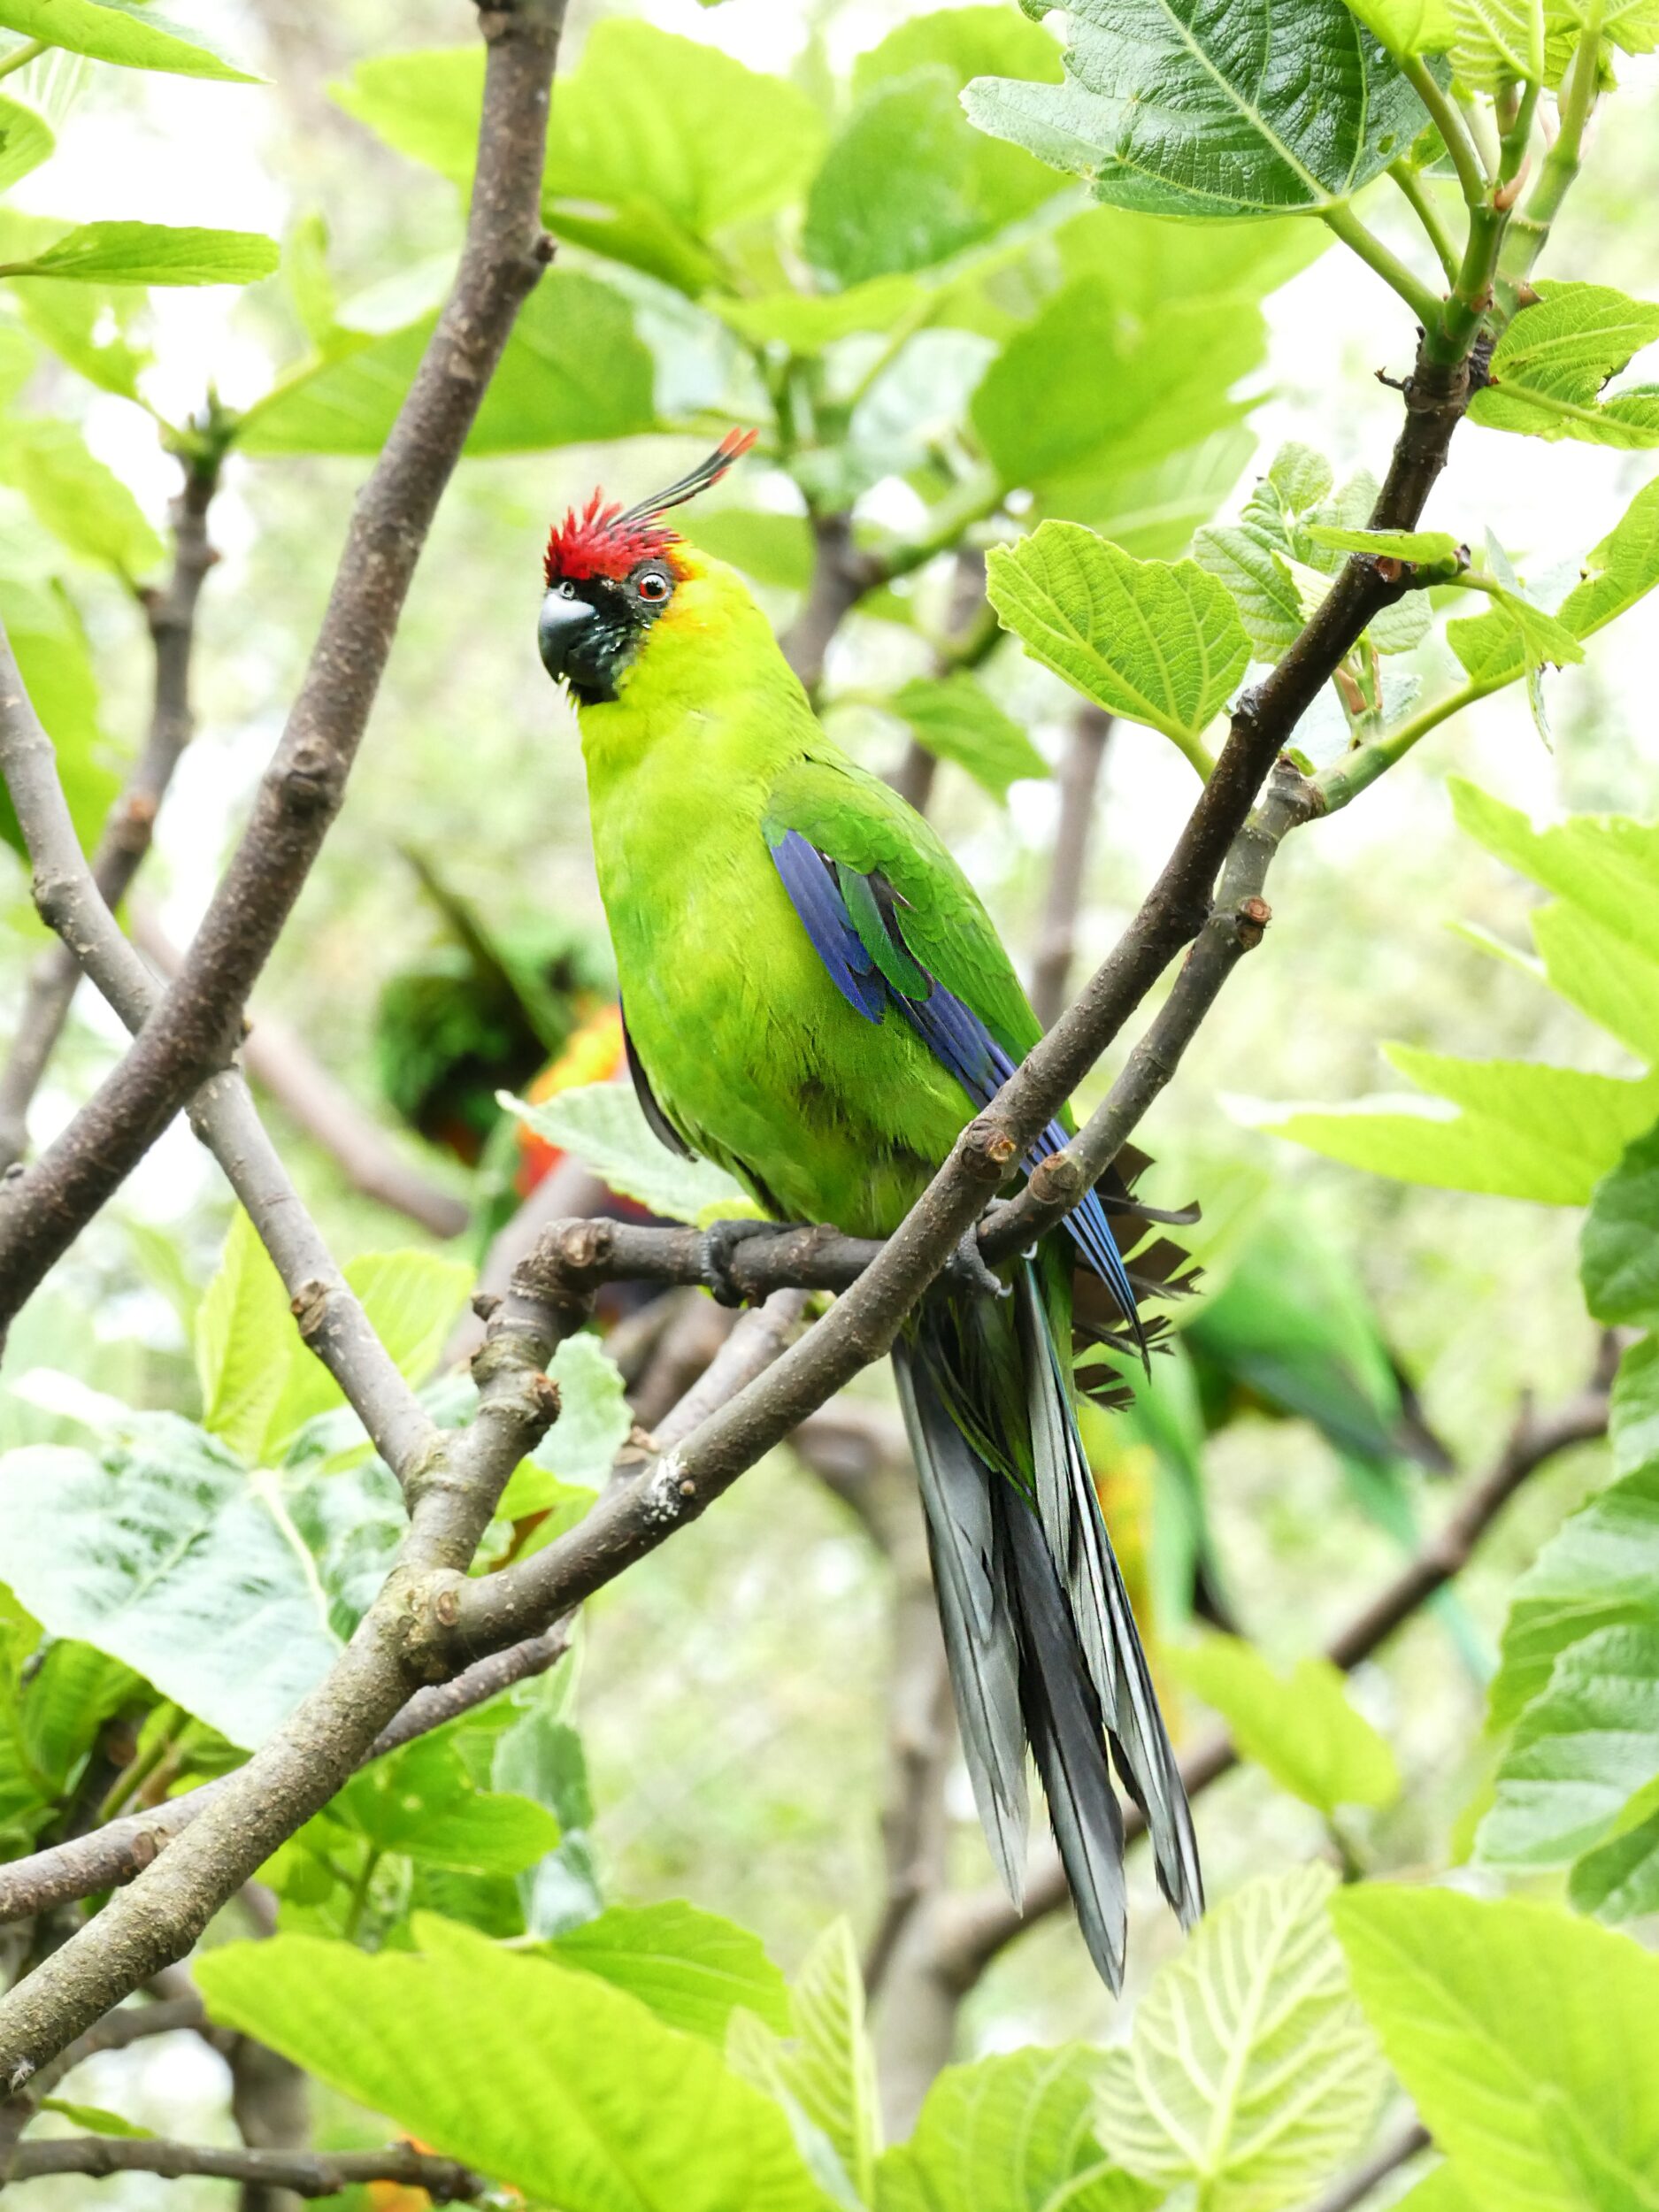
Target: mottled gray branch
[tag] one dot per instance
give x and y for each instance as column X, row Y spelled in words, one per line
column 126, row 836
column 193, row 1032
column 1056, row 935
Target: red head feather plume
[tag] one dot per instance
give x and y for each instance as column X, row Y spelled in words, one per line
column 604, row 541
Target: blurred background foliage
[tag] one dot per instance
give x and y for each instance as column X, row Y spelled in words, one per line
column 777, row 212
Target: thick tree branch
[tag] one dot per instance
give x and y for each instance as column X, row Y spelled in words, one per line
column 126, row 836
column 194, row 1031
column 1056, row 937
column 307, row 2173
column 280, row 1062
column 1407, row 2143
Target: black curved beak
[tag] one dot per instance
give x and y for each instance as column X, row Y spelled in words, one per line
column 563, row 625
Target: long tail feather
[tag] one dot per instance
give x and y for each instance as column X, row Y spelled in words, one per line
column 1068, row 1509
column 981, row 1645
column 1063, row 1717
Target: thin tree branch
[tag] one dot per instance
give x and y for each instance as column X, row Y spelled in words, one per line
column 307, row 2173
column 194, row 1031
column 1056, row 940
column 329, row 1318
column 1353, row 2189
column 126, row 834
column 282, row 1064
column 841, row 577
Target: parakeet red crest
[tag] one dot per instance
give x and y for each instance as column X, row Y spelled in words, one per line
column 610, row 540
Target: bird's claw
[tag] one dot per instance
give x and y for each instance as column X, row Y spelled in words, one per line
column 720, row 1240
column 967, row 1265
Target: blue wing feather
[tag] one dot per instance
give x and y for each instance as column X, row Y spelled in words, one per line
column 950, row 1029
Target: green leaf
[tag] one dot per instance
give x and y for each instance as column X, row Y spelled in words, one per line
column 55, row 663
column 1633, row 1420
column 1619, row 1879
column 1152, row 511
column 132, row 36
column 907, row 184
column 152, row 253
column 1524, row 1131
column 1012, row 2133
column 93, row 2120
column 26, row 140
column 244, row 1338
column 1621, row 569
column 826, row 2077
column 1178, row 108
column 956, row 717
column 1156, row 643
column 1619, row 1256
column 602, row 1124
column 541, row 2076
column 1524, row 2036
column 1258, row 1998
column 1301, row 1728
column 158, row 1550
column 84, row 504
column 1435, row 550
column 594, row 1417
column 1259, row 583
column 1599, row 1570
column 1406, row 26
column 574, row 370
column 806, row 323
column 412, row 1301
column 421, row 1804
column 1549, row 367
column 969, row 41
column 87, row 326
column 691, row 1967
column 1116, row 397
column 1580, row 1751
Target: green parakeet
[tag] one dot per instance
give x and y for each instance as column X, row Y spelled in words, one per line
column 816, row 999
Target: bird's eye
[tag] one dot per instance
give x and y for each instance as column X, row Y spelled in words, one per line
column 653, row 586
column 568, row 590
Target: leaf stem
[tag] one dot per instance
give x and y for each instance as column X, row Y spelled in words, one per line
column 1443, row 111
column 360, row 1894
column 1531, row 227
column 21, row 57
column 1355, row 771
column 1423, row 207
column 1340, row 218
column 167, row 1722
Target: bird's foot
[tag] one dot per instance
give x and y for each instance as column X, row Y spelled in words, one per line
column 720, row 1240
column 966, row 1267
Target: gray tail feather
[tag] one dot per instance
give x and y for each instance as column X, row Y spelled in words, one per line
column 1062, row 1717
column 1068, row 1509
column 975, row 1614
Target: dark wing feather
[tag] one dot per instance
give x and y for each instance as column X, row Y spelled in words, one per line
column 660, row 1125
column 856, row 923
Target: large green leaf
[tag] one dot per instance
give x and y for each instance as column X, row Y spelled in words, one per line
column 1550, row 366
column 542, row 2076
column 1580, row 1751
column 1179, row 107
column 1197, row 2096
column 132, row 36
column 1301, row 1728
column 906, row 183
column 771, row 549
column 826, row 2077
column 1012, row 2133
column 1619, row 1257
column 151, row 253
column 244, row 1340
column 1633, row 1418
column 574, row 370
column 593, row 1416
column 412, row 1301
column 84, row 504
column 602, row 1124
column 1524, row 1131
column 1116, row 396
column 1159, row 643
column 1599, row 1570
column 956, row 717
column 1524, row 2036
column 691, row 1967
column 1150, row 511
column 89, row 326
column 1619, row 1879
column 157, row 1550
column 55, row 661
